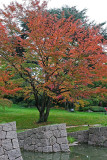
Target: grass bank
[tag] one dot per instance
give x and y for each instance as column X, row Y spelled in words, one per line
column 26, row 118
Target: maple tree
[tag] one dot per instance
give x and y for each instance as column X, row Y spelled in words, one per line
column 7, row 85
column 59, row 57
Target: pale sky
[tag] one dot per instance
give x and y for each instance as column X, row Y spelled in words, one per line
column 96, row 9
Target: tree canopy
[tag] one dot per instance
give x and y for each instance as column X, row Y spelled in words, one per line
column 67, row 57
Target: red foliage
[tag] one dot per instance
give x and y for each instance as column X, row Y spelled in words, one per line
column 6, row 85
column 105, row 109
column 69, row 56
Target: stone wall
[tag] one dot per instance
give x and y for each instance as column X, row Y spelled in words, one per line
column 80, row 136
column 98, row 136
column 52, row 138
column 94, row 136
column 9, row 147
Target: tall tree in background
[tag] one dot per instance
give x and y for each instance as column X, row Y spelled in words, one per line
column 68, row 56
column 68, row 12
column 81, row 15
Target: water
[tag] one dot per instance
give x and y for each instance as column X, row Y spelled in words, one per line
column 80, row 152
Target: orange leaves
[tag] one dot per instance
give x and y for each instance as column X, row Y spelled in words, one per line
column 7, row 91
column 59, row 56
column 6, row 84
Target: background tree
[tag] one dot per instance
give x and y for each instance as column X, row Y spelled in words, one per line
column 68, row 56
column 68, row 11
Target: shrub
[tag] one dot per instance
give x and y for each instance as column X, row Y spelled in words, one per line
column 71, row 139
column 86, row 108
column 5, row 103
column 97, row 109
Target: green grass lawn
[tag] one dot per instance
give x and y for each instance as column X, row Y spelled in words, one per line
column 26, row 118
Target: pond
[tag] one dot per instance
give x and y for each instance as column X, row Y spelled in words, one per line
column 80, row 152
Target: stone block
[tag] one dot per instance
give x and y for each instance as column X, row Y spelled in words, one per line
column 56, row 133
column 63, row 133
column 64, row 148
column 83, row 137
column 62, row 140
column 47, row 149
column 94, row 131
column 56, row 148
column 7, row 145
column 34, row 136
column 28, row 141
column 36, row 148
column 62, row 126
column 35, row 130
column 35, row 141
column 95, row 139
column 40, row 149
column 11, row 135
column 48, row 134
column 29, row 132
column 39, row 144
column 15, row 143
column 7, row 127
column 21, row 136
column 52, row 140
column 13, row 124
column 53, row 127
column 30, row 147
column 2, row 135
column 13, row 154
column 40, row 129
column 40, row 135
column 45, row 142
column 46, row 128
column 4, row 157
column 103, row 131
column 1, row 151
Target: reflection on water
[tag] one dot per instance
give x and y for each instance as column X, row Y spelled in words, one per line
column 81, row 152
column 45, row 156
column 85, row 152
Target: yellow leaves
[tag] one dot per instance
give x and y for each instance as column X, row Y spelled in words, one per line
column 80, row 103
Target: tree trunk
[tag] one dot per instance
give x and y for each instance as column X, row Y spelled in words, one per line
column 44, row 112
column 43, row 116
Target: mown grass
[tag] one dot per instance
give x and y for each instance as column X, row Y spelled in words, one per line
column 26, row 118
column 77, row 128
